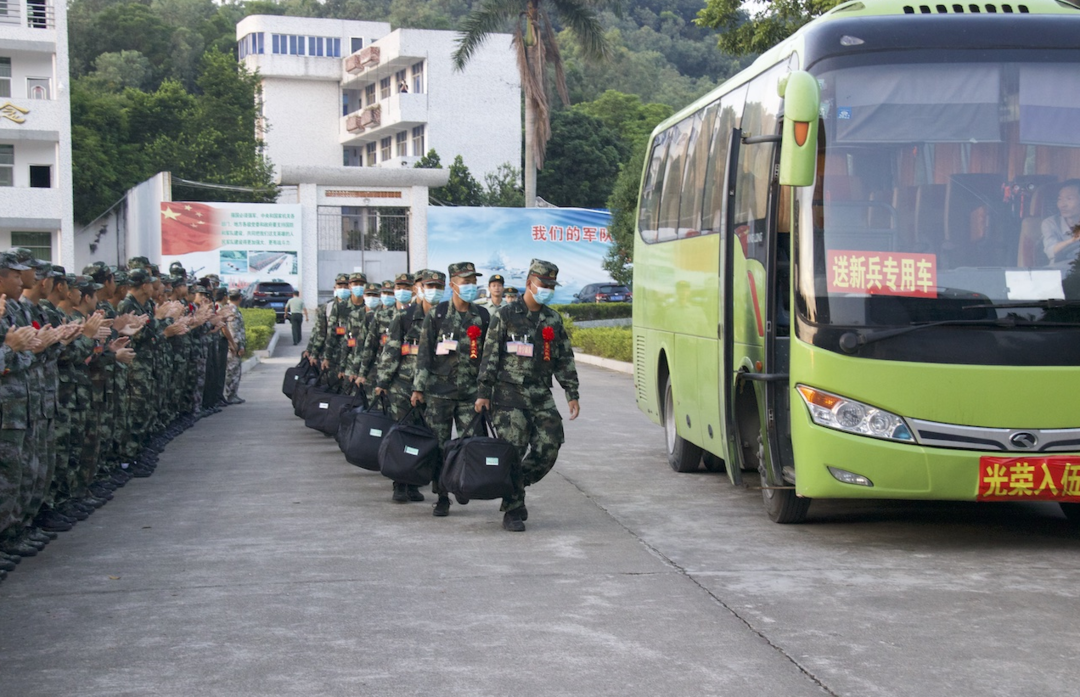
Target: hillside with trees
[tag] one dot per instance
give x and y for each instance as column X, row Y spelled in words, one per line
column 156, row 86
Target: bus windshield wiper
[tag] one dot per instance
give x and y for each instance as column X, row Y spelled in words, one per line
column 851, row 341
column 1048, row 304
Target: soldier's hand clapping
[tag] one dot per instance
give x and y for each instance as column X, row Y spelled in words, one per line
column 46, row 337
column 92, row 325
column 3, row 303
column 118, row 344
column 125, row 355
column 21, row 338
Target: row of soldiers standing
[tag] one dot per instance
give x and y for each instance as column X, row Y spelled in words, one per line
column 457, row 358
column 98, row 371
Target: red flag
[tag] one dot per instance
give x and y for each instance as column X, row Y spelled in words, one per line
column 189, row 227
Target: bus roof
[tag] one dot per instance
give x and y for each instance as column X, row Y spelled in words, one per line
column 795, row 43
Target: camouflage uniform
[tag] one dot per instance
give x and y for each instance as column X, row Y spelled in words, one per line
column 396, row 365
column 235, row 362
column 447, row 377
column 363, row 362
column 14, row 402
column 519, row 386
column 141, row 375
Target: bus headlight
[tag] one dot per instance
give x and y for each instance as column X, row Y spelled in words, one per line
column 843, row 414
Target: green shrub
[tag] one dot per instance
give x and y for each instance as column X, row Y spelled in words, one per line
column 258, row 317
column 584, row 312
column 615, row 343
column 258, row 337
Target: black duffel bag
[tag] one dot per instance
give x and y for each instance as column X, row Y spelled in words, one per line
column 323, row 410
column 361, row 433
column 409, row 453
column 302, row 372
column 479, row 466
column 300, row 396
column 346, row 417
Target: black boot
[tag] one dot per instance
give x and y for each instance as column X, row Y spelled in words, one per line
column 401, row 495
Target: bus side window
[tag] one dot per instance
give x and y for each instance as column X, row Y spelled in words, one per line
column 668, row 224
column 649, row 208
column 697, row 162
column 756, row 163
column 714, row 207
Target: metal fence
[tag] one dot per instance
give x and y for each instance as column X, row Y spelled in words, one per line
column 364, row 229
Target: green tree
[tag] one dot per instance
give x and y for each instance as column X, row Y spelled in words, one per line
column 114, row 72
column 502, row 187
column 536, row 46
column 742, row 35
column 583, row 161
column 623, row 205
column 626, row 115
column 461, row 189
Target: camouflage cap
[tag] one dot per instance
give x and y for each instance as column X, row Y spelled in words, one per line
column 70, row 279
column 372, row 288
column 9, row 261
column 419, row 274
column 139, row 276
column 213, row 277
column 177, row 269
column 404, row 278
column 121, row 277
column 464, row 269
column 86, row 285
column 387, row 286
column 219, row 293
column 154, row 269
column 137, row 263
column 341, row 278
column 235, row 294
column 496, row 278
column 200, row 288
column 57, row 271
column 358, row 277
column 432, row 276
column 167, row 280
column 180, row 279
column 544, row 270
column 27, row 258
column 97, row 271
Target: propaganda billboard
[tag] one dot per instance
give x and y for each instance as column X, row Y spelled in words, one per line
column 504, row 240
column 240, row 242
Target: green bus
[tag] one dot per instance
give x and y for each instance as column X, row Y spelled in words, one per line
column 855, row 268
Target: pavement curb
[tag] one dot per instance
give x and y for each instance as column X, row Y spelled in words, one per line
column 268, row 352
column 610, row 364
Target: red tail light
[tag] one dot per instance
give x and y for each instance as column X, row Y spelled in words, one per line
column 600, row 296
column 260, row 294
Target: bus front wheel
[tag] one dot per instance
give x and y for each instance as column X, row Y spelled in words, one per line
column 682, row 455
column 781, row 505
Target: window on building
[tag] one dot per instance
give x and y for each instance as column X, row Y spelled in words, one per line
column 312, row 45
column 40, row 176
column 301, row 44
column 384, row 88
column 402, row 144
column 37, row 15
column 259, row 44
column 369, row 160
column 353, row 157
column 7, row 165
column 292, row 45
column 401, row 79
column 356, row 44
column 39, row 243
column 336, row 53
column 5, row 77
column 369, row 94
column 37, row 87
column 418, row 78
column 275, row 43
column 386, row 143
column 418, row 141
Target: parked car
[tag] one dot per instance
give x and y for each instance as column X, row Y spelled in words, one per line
column 604, row 293
column 268, row 294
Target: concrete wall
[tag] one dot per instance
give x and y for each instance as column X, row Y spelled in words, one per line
column 297, row 112
column 130, row 228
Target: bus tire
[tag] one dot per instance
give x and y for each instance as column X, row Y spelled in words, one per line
column 682, row 455
column 1071, row 510
column 712, row 463
column 782, row 505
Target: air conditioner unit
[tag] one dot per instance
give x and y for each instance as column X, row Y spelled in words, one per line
column 369, row 56
column 353, row 124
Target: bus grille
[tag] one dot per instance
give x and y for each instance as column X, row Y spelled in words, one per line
column 959, row 9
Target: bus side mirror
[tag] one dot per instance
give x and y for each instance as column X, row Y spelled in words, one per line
column 798, row 148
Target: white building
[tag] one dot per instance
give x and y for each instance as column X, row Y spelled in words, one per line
column 346, row 93
column 36, row 209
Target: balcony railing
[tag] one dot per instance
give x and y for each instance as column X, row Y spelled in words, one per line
column 39, row 14
column 362, row 60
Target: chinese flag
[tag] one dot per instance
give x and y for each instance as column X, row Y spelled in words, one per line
column 189, row 227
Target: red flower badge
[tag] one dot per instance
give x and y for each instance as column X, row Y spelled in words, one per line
column 474, row 334
column 36, row 324
column 549, row 336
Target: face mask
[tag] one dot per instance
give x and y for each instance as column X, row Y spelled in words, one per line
column 372, row 301
column 341, row 293
column 433, row 295
column 357, row 291
column 467, row 292
column 542, row 295
column 388, row 300
column 403, row 296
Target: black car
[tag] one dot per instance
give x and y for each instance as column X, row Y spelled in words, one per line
column 268, row 294
column 604, row 293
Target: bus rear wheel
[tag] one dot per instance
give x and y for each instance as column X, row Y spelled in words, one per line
column 682, row 455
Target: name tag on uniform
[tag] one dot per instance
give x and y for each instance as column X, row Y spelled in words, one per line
column 409, row 349
column 352, row 343
column 445, row 347
column 340, row 331
column 524, row 350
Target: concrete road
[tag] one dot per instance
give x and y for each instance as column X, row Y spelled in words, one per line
column 257, row 562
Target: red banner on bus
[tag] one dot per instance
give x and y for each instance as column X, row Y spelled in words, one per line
column 1029, row 478
column 882, row 273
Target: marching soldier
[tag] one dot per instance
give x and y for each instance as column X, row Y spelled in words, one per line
column 526, row 346
column 363, row 366
column 451, row 344
column 494, row 299
column 236, row 350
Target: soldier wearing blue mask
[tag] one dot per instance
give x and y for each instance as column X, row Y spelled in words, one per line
column 451, row 344
column 363, row 368
column 526, row 346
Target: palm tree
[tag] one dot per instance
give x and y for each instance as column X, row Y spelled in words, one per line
column 536, row 48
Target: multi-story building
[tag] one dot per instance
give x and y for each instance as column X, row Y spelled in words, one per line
column 35, row 129
column 356, row 94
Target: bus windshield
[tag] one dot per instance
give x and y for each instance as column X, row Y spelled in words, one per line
column 946, row 192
